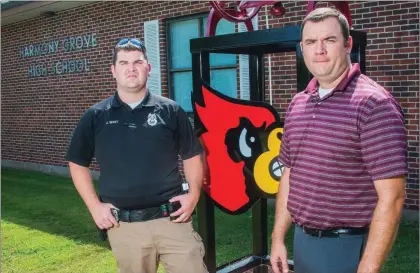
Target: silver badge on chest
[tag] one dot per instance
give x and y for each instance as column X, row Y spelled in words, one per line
column 151, row 119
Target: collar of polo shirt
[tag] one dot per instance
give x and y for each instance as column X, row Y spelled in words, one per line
column 149, row 100
column 312, row 88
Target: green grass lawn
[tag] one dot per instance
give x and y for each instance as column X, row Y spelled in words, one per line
column 46, row 228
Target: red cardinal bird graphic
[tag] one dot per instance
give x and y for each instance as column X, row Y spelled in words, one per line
column 242, row 141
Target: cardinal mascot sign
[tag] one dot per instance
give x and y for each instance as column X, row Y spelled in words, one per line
column 242, row 141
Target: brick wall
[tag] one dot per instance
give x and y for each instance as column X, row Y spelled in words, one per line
column 38, row 114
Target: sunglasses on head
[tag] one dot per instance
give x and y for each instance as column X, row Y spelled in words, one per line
column 130, row 41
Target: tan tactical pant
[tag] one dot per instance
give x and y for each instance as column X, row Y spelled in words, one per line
column 140, row 246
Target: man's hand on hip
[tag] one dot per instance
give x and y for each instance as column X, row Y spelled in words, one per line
column 188, row 203
column 278, row 258
column 103, row 217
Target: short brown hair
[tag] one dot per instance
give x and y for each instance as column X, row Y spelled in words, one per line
column 321, row 14
column 127, row 47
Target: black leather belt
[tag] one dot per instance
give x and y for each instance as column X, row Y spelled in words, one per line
column 140, row 215
column 147, row 214
column 334, row 232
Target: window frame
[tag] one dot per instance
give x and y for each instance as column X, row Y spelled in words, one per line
column 169, row 70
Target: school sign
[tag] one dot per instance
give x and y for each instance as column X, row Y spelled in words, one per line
column 68, row 44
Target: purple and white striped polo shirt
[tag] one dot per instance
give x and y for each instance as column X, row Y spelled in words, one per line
column 337, row 146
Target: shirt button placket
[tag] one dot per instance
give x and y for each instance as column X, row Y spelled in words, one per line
column 315, row 107
column 132, row 116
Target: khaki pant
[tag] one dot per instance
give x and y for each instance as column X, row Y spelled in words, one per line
column 140, row 246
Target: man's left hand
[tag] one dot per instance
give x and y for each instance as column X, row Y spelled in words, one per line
column 188, row 203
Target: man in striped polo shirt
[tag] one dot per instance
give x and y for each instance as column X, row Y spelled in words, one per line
column 344, row 152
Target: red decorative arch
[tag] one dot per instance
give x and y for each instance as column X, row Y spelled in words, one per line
column 244, row 11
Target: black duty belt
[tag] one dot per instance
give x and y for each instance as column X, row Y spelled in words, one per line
column 141, row 215
column 147, row 214
column 334, row 232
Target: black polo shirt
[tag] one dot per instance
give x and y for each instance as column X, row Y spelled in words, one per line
column 137, row 149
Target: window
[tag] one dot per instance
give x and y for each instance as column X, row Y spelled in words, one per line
column 222, row 66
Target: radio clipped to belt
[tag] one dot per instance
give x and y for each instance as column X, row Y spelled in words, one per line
column 169, row 208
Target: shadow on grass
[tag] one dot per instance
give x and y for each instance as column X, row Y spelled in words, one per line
column 47, row 203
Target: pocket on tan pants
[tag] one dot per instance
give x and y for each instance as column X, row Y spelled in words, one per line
column 180, row 248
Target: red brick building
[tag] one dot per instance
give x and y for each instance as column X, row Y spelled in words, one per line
column 56, row 59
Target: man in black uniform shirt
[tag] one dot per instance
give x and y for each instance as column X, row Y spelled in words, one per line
column 136, row 137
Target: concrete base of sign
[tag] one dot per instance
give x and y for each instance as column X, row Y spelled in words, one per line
column 261, row 269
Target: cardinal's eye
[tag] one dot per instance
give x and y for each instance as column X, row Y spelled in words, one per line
column 244, row 140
